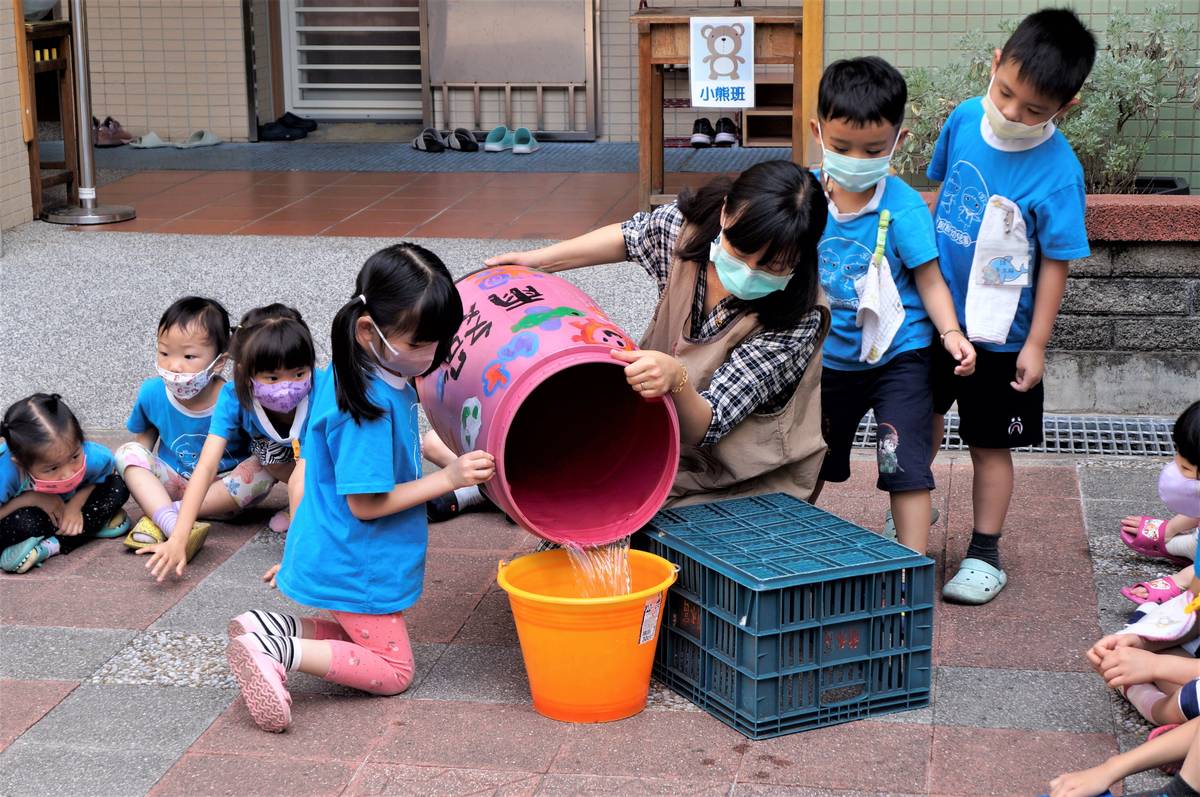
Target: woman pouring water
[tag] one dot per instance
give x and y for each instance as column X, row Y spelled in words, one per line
column 736, row 336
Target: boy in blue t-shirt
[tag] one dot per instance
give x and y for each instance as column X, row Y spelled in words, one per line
column 1009, row 217
column 887, row 298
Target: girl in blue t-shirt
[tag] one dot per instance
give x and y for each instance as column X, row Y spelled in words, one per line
column 357, row 543
column 172, row 412
column 57, row 490
column 267, row 401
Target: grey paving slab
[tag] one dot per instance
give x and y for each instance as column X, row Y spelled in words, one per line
column 1121, row 479
column 769, row 790
column 477, row 673
column 65, row 654
column 122, row 718
column 143, row 273
column 1031, row 700
column 47, row 770
column 569, row 785
column 208, row 608
column 169, row 658
column 246, row 566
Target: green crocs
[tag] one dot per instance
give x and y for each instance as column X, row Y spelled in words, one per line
column 975, row 583
column 500, row 139
column 23, row 556
column 523, row 142
column 116, row 526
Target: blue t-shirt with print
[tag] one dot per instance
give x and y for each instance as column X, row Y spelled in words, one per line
column 1042, row 177
column 230, row 417
column 845, row 251
column 99, row 465
column 181, row 431
column 333, row 560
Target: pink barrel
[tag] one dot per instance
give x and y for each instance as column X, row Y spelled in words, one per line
column 580, row 457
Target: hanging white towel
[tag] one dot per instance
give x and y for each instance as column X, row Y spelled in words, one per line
column 880, row 310
column 1000, row 270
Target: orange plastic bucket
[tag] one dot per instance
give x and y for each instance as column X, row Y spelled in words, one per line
column 588, row 659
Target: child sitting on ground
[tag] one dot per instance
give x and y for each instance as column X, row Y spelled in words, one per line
column 879, row 231
column 1179, row 744
column 1175, row 539
column 171, row 420
column 357, row 544
column 1009, row 217
column 57, row 490
column 267, row 401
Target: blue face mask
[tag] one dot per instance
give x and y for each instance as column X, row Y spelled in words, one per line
column 855, row 174
column 739, row 279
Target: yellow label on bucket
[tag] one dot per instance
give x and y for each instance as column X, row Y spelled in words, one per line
column 650, row 614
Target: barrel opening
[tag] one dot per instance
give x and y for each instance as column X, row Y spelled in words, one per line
column 585, row 454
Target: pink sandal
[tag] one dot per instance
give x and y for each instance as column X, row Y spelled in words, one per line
column 1150, row 540
column 1160, row 590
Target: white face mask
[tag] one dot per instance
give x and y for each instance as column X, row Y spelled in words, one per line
column 406, row 363
column 187, row 386
column 1006, row 129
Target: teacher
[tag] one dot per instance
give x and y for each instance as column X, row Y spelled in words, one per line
column 736, row 337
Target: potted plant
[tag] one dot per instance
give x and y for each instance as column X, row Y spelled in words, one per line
column 1141, row 68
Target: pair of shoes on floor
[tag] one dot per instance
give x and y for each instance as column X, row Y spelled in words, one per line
column 704, row 135
column 288, row 127
column 109, row 133
column 459, row 139
column 145, row 534
column 520, row 141
column 201, row 138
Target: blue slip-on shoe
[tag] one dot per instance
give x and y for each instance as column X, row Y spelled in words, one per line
column 500, row 139
column 524, row 142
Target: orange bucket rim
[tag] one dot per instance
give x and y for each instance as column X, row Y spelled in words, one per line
column 628, row 597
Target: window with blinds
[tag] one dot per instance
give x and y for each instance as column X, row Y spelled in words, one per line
column 353, row 58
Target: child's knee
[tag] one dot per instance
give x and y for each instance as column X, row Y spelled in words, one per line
column 132, row 455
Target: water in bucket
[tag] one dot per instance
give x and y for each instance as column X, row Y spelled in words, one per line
column 602, row 571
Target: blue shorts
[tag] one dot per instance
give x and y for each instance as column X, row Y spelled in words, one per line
column 900, row 393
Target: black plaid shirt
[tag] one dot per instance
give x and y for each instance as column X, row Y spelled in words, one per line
column 762, row 371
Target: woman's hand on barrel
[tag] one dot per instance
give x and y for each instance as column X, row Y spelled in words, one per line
column 650, row 373
column 528, row 259
column 475, row 467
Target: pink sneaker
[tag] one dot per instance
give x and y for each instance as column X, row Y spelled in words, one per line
column 242, row 624
column 264, row 685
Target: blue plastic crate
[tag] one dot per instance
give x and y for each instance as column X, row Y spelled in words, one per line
column 785, row 617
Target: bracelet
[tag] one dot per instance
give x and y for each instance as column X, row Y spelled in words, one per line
column 675, row 390
column 948, row 331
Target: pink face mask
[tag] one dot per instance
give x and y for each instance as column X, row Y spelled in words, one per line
column 60, row 486
column 1178, row 492
column 406, row 363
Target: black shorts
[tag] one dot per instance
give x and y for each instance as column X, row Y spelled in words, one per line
column 991, row 414
column 899, row 393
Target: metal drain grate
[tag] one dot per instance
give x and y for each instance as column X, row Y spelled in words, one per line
column 1087, row 435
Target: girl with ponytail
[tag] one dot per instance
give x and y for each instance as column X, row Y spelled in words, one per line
column 357, row 543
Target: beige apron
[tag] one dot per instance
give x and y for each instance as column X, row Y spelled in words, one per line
column 779, row 452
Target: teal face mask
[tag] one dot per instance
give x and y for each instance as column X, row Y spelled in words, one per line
column 739, row 279
column 855, row 174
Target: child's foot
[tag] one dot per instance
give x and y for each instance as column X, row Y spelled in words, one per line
column 116, row 526
column 451, row 505
column 263, row 682
column 889, row 523
column 144, row 533
column 1159, row 590
column 280, row 521
column 975, row 583
column 28, row 554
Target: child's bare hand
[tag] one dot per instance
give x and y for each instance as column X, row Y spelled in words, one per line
column 165, row 557
column 957, row 345
column 1031, row 365
column 269, row 576
column 475, row 467
column 1109, row 643
column 1087, row 783
column 71, row 522
column 1128, row 665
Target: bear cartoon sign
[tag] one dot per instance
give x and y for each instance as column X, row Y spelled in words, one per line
column 722, row 62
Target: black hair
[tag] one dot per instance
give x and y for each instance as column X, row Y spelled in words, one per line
column 208, row 314
column 862, row 91
column 270, row 338
column 33, row 424
column 775, row 208
column 1054, row 53
column 1187, row 434
column 405, row 289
